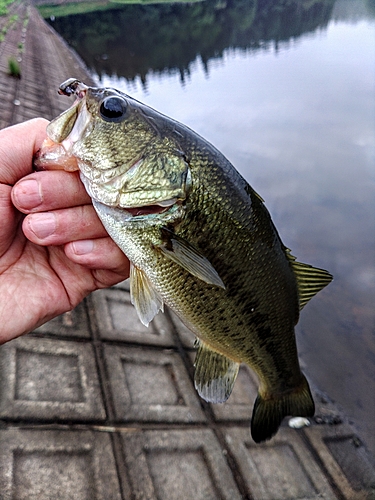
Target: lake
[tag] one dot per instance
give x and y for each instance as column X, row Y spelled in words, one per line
column 285, row 89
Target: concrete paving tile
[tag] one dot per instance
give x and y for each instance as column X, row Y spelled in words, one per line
column 118, row 320
column 151, row 386
column 178, row 464
column 282, row 468
column 25, row 114
column 58, row 465
column 49, row 379
column 345, row 458
column 70, row 324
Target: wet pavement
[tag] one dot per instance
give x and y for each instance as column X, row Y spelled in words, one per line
column 93, row 405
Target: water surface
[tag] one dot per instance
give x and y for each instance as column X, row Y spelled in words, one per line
column 287, row 94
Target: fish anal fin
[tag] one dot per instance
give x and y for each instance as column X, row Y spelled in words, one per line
column 268, row 413
column 310, row 280
column 143, row 296
column 189, row 258
column 214, row 375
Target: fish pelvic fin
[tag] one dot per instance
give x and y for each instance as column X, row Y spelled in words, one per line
column 189, row 258
column 143, row 296
column 214, row 375
column 269, row 413
column 310, row 280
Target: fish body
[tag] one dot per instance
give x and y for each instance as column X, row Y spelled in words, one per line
column 200, row 240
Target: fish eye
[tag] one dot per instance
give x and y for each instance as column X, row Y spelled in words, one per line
column 113, row 109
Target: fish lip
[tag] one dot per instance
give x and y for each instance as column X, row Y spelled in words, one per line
column 79, row 128
column 73, row 86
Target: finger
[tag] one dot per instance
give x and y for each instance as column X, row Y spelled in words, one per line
column 18, row 144
column 49, row 190
column 9, row 218
column 101, row 253
column 61, row 226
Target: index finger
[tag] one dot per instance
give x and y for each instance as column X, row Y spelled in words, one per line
column 18, row 144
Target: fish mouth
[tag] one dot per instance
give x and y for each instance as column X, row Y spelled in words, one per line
column 147, row 210
column 64, row 131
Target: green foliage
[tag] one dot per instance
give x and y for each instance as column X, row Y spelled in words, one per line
column 14, row 68
column 12, row 20
column 3, row 6
column 68, row 9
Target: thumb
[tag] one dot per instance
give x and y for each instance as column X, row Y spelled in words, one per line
column 18, row 144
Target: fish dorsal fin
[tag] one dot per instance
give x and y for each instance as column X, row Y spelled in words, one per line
column 310, row 280
column 183, row 253
column 214, row 374
column 143, row 296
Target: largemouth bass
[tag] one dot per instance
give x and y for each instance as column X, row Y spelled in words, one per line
column 199, row 239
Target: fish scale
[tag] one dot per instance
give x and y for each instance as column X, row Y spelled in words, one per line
column 200, row 240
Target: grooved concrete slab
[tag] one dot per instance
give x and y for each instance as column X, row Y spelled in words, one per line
column 279, row 469
column 58, row 465
column 49, row 379
column 346, row 460
column 151, row 386
column 174, row 465
column 123, row 285
column 71, row 324
column 118, row 320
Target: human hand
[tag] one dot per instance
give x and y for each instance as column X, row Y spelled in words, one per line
column 59, row 252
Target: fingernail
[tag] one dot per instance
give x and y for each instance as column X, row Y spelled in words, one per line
column 42, row 225
column 82, row 247
column 27, row 193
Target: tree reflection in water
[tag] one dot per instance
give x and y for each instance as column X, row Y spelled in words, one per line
column 169, row 37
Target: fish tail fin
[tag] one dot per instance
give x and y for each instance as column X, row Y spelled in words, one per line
column 269, row 413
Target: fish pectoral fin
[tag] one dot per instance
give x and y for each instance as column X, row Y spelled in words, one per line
column 310, row 280
column 214, row 374
column 189, row 258
column 146, row 300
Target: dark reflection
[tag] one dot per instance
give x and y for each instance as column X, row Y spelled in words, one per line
column 137, row 39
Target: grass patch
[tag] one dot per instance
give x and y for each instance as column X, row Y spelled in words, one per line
column 68, row 9
column 3, row 6
column 14, row 68
column 12, row 20
column 142, row 2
